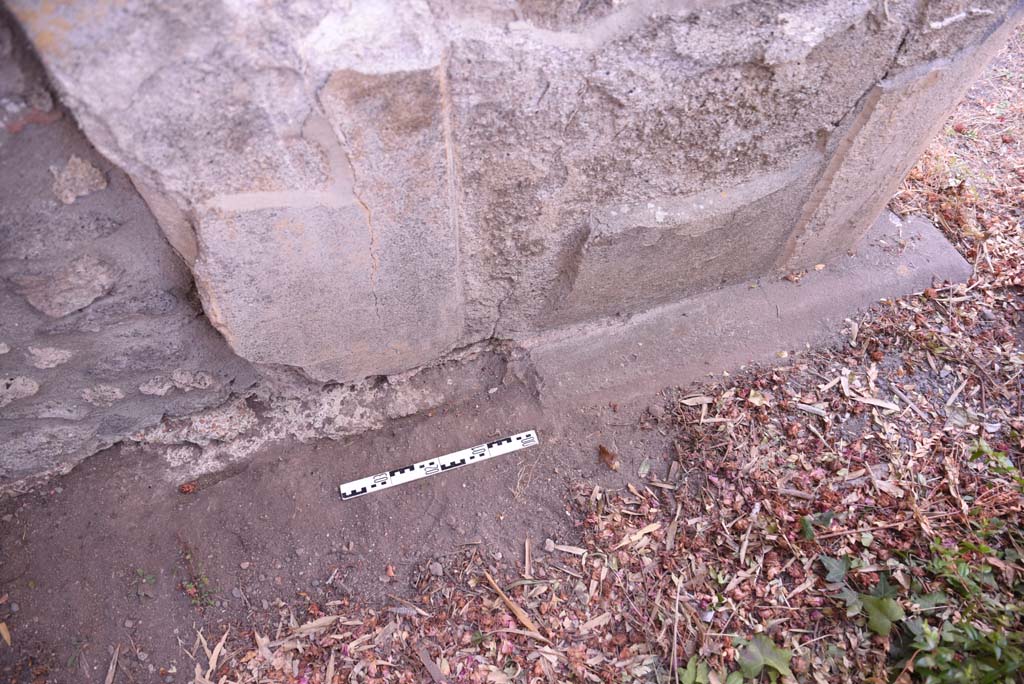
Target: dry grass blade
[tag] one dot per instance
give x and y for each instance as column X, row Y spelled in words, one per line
column 329, row 675
column 520, row 614
column 411, row 606
column 212, row 658
column 596, row 622
column 637, row 536
column 813, row 409
column 527, row 560
column 430, row 665
column 880, row 403
column 899, row 393
column 112, row 669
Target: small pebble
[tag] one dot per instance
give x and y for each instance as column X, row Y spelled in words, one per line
column 549, row 545
column 169, row 679
column 263, row 578
column 143, row 656
column 657, row 411
column 128, row 624
column 244, row 565
column 435, row 569
column 15, row 607
column 315, row 582
column 265, row 604
column 988, row 315
column 236, row 592
column 497, row 555
column 300, row 552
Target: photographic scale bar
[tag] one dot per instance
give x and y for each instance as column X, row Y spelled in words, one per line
column 418, row 471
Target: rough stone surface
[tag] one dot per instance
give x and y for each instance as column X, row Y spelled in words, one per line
column 361, row 189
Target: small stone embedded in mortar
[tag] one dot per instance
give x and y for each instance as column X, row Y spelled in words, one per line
column 17, row 387
column 48, row 357
column 102, row 395
column 75, row 286
column 77, row 178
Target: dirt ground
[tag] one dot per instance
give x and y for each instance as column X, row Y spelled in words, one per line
column 98, row 557
column 858, row 452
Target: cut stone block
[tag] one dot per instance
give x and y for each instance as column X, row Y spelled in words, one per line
column 756, row 322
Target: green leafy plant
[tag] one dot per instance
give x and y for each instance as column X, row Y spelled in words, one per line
column 196, row 585
column 144, row 583
column 996, row 461
column 761, row 653
column 973, row 629
column 698, row 672
column 198, row 591
column 954, row 653
column 835, row 568
column 809, row 522
column 882, row 613
column 695, row 672
column 880, row 606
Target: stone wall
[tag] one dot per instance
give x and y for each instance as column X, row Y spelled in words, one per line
column 362, row 187
column 101, row 334
column 374, row 187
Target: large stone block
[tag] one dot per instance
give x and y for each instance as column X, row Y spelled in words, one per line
column 362, row 188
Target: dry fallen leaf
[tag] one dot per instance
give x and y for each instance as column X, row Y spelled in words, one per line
column 608, row 457
column 5, row 633
column 189, row 487
column 757, row 398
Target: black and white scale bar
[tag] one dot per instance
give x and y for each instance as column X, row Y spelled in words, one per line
column 457, row 459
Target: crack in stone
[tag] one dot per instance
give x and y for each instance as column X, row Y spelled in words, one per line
column 374, row 255
column 864, row 108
